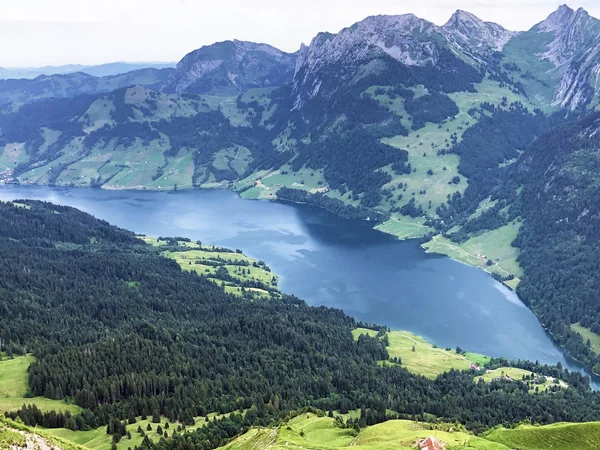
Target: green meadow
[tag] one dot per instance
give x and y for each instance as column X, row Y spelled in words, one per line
column 492, row 245
column 308, row 431
column 560, row 436
column 211, row 261
column 517, row 374
column 420, row 357
column 14, row 387
column 586, row 334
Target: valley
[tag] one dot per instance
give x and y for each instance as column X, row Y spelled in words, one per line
column 418, row 264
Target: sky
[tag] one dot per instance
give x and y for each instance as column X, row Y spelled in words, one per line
column 41, row 32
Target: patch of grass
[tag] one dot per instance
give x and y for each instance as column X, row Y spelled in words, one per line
column 586, row 334
column 405, row 227
column 13, row 376
column 228, row 106
column 515, row 374
column 267, row 183
column 235, row 159
column 12, row 155
column 97, row 439
column 308, row 431
column 477, row 359
column 39, row 438
column 494, row 245
column 426, row 359
column 14, row 387
column 560, row 436
column 11, row 438
column 210, row 260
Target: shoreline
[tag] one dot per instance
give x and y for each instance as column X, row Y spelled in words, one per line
column 371, row 224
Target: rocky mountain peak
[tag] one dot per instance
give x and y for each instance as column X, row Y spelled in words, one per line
column 571, row 29
column 360, row 50
column 574, row 49
column 474, row 36
column 230, row 67
column 559, row 19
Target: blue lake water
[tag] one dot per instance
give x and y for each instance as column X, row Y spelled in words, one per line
column 334, row 262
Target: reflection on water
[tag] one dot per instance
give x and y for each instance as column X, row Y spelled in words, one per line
column 334, row 262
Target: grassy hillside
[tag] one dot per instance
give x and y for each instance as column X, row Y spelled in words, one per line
column 98, row 439
column 238, row 273
column 420, row 357
column 560, row 436
column 494, row 246
column 16, row 436
column 587, row 334
column 309, row 431
column 516, row 374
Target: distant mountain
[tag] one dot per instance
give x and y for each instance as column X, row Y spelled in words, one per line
column 118, row 68
column 33, row 72
column 230, row 68
column 73, row 84
column 101, row 70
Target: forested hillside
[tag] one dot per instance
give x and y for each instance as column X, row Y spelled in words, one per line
column 124, row 333
column 428, row 131
column 559, row 239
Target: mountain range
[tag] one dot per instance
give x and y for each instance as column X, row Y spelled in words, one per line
column 427, row 130
column 100, row 70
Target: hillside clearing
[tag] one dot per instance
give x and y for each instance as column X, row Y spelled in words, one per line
column 516, row 374
column 14, row 386
column 235, row 271
column 426, row 359
column 560, row 436
column 308, row 431
column 586, row 334
column 492, row 245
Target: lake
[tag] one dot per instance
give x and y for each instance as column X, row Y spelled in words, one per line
column 334, row 262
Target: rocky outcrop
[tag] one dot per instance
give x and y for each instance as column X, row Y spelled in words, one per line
column 474, row 37
column 231, row 67
column 575, row 52
column 361, row 50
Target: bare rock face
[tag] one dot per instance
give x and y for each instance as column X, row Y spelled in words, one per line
column 575, row 52
column 368, row 46
column 474, row 37
column 361, row 50
column 231, row 67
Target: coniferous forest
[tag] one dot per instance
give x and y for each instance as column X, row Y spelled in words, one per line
column 124, row 332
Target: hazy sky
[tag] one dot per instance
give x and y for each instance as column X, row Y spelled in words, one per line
column 43, row 32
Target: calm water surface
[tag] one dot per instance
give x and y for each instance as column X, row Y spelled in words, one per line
column 335, row 262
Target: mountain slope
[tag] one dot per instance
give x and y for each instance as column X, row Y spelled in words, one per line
column 130, row 138
column 230, row 68
column 559, row 239
column 127, row 335
column 559, row 59
column 474, row 37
